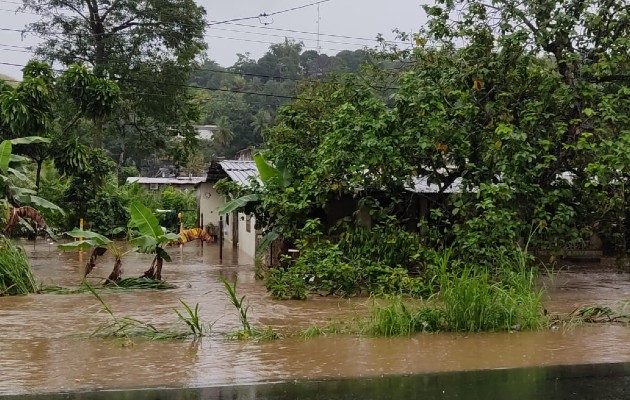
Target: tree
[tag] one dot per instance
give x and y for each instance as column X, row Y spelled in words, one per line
column 148, row 47
column 262, row 120
column 223, row 135
column 536, row 130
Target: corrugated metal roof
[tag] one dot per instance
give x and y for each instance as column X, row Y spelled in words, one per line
column 182, row 180
column 239, row 171
column 422, row 185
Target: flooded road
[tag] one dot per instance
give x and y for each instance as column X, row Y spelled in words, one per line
column 42, row 348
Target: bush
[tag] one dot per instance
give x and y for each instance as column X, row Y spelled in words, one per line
column 16, row 276
column 286, row 285
column 107, row 212
column 183, row 201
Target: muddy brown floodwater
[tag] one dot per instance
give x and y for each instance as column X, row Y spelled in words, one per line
column 42, row 350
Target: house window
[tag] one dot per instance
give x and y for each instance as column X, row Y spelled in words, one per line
column 248, row 223
column 227, row 219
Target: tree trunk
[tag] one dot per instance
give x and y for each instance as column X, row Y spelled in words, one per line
column 38, row 174
column 97, row 140
column 116, row 272
column 155, row 272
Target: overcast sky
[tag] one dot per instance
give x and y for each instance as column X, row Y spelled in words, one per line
column 360, row 19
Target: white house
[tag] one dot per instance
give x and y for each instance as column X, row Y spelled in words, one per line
column 238, row 228
column 178, row 182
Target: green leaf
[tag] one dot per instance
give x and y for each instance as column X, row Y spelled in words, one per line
column 143, row 219
column 145, row 244
column 267, row 171
column 29, row 140
column 5, row 155
column 162, row 253
column 238, row 203
column 18, row 159
column 19, row 175
column 266, row 242
column 27, row 196
column 79, row 245
column 97, row 238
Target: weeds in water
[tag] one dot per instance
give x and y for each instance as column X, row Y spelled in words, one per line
column 16, row 276
column 128, row 328
column 247, row 332
column 192, row 320
column 238, row 303
column 312, row 331
column 398, row 319
column 111, row 286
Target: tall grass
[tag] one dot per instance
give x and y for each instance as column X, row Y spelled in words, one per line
column 398, row 319
column 469, row 300
column 16, row 276
column 241, row 306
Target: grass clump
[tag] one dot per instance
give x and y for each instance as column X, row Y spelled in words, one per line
column 241, row 306
column 128, row 328
column 469, row 300
column 113, row 286
column 397, row 319
column 16, row 276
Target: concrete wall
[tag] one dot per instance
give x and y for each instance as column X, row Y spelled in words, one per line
column 247, row 240
column 208, row 205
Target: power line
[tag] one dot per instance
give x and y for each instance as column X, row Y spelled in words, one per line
column 186, row 86
column 234, row 22
column 285, row 36
column 313, row 33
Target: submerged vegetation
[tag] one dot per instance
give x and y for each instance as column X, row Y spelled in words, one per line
column 16, row 276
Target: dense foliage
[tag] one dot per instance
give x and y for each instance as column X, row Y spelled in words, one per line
column 517, row 114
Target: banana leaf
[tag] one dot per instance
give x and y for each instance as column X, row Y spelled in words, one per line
column 238, row 203
column 266, row 242
column 5, row 155
column 97, row 238
column 29, row 140
column 143, row 219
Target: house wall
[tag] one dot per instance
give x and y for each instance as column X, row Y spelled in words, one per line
column 246, row 242
column 208, row 206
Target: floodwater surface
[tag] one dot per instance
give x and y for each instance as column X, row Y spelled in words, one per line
column 44, row 348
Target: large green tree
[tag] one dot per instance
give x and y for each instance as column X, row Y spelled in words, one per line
column 148, row 47
column 526, row 103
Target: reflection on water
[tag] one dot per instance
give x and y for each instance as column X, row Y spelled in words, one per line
column 40, row 351
column 577, row 382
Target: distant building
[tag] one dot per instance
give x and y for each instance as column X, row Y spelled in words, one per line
column 205, row 132
column 180, row 182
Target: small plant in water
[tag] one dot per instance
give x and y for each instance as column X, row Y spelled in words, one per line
column 247, row 332
column 238, row 303
column 192, row 320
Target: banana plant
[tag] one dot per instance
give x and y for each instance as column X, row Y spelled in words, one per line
column 19, row 202
column 151, row 238
column 99, row 245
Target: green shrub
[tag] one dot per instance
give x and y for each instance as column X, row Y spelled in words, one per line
column 183, row 201
column 286, row 285
column 16, row 276
column 107, row 212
